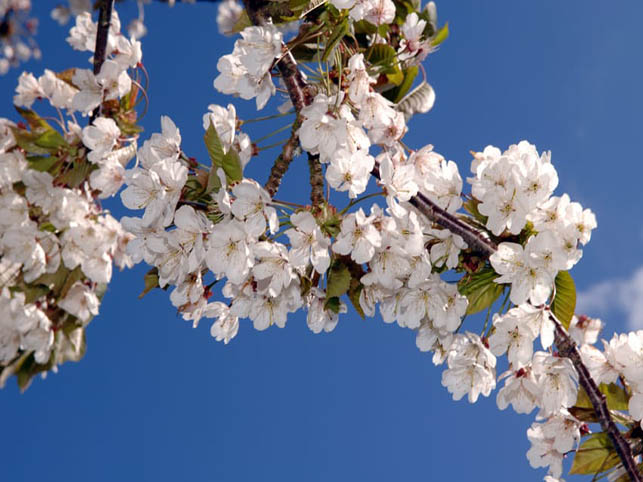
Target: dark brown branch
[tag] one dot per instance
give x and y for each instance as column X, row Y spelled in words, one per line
column 300, row 96
column 282, row 163
column 316, row 181
column 474, row 239
column 568, row 349
column 102, row 35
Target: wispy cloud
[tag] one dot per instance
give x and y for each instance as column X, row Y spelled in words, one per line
column 621, row 297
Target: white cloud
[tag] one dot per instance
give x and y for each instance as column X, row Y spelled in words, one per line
column 621, row 296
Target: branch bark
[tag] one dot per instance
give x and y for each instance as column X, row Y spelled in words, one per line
column 102, row 35
column 567, row 348
column 316, row 181
column 300, row 96
column 474, row 239
column 282, row 163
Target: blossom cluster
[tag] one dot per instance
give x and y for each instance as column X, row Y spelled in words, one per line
column 57, row 244
column 246, row 71
column 621, row 359
column 199, row 225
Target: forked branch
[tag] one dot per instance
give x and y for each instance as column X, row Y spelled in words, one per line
column 301, row 96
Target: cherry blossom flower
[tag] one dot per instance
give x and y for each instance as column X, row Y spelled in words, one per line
column 308, row 243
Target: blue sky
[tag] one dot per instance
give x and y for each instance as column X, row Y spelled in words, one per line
column 156, row 400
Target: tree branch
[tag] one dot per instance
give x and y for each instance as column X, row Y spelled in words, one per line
column 282, row 163
column 474, row 239
column 567, row 348
column 300, row 96
column 316, row 181
column 102, row 34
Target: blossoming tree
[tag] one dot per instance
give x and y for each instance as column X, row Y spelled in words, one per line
column 423, row 255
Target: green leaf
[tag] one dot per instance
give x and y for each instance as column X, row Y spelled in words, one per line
column 471, row 206
column 242, row 23
column 229, row 161
column 12, row 368
column 564, row 303
column 441, row 35
column 332, row 304
column 55, row 281
column 75, row 275
column 151, row 280
column 33, row 119
column 396, row 77
column 26, row 140
column 339, row 280
column 48, row 227
column 353, row 294
column 297, row 5
column 364, row 27
column 582, row 400
column 127, row 127
column 232, row 166
column 214, row 183
column 596, row 454
column 382, row 55
column 396, row 94
column 383, row 30
column 332, row 225
column 338, row 34
column 584, row 414
column 50, row 139
column 26, row 372
column 213, row 144
column 33, row 292
column 616, row 396
column 480, row 289
column 43, row 139
column 305, row 52
column 41, row 163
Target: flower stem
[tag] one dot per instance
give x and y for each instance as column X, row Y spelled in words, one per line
column 267, row 117
column 275, row 132
column 360, row 199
